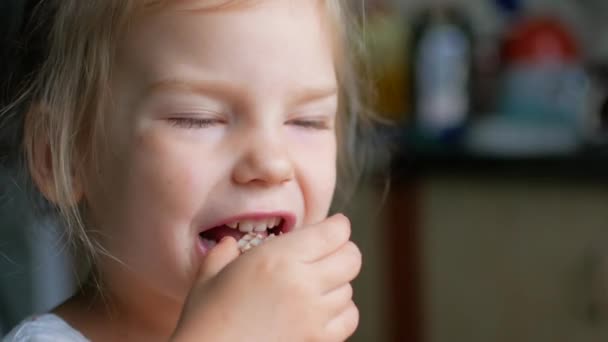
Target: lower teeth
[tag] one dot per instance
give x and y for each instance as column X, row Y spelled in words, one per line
column 250, row 240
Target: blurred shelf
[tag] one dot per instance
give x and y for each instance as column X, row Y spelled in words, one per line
column 582, row 166
column 414, row 160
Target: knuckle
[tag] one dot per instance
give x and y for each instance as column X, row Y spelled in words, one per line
column 355, row 258
column 354, row 320
column 293, row 284
column 349, row 291
column 344, row 225
column 299, row 288
column 345, row 294
column 284, row 278
column 346, row 325
column 266, row 265
column 344, row 218
column 337, row 232
column 354, row 250
column 351, row 321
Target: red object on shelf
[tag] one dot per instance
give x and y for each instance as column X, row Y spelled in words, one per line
column 539, row 40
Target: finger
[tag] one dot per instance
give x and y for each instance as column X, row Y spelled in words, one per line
column 344, row 325
column 315, row 242
column 338, row 300
column 339, row 268
column 218, row 257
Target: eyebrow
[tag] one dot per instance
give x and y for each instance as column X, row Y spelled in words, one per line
column 223, row 5
column 223, row 89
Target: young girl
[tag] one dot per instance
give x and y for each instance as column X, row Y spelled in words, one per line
column 172, row 137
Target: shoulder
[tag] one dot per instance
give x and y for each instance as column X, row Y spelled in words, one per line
column 43, row 328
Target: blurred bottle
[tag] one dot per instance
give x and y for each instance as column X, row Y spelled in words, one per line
column 442, row 64
column 542, row 93
column 543, row 65
column 384, row 40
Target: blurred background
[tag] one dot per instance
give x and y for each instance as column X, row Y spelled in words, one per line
column 491, row 224
column 495, row 225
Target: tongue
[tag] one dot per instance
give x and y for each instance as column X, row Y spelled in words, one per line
column 216, row 234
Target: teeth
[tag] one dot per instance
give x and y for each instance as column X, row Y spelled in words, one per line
column 245, row 242
column 242, row 244
column 246, row 226
column 251, row 240
column 261, row 227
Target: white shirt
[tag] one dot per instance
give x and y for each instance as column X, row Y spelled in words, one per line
column 44, row 328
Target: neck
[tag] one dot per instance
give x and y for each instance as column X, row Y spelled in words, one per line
column 131, row 313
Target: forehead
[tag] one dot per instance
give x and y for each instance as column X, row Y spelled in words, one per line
column 248, row 42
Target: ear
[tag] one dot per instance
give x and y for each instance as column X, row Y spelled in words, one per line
column 43, row 174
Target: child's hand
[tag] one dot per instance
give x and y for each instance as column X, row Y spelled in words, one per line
column 293, row 288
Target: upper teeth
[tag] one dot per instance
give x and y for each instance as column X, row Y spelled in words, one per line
column 248, row 226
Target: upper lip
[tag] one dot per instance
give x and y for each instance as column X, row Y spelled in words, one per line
column 289, row 219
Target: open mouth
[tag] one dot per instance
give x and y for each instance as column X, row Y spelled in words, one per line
column 248, row 232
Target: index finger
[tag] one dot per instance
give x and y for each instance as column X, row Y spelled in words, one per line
column 315, row 242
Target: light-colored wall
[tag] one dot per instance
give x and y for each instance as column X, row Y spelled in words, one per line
column 515, row 260
column 371, row 286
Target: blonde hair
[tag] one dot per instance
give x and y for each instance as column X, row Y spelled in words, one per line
column 64, row 98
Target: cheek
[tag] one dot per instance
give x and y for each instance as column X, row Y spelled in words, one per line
column 167, row 174
column 154, row 182
column 316, row 170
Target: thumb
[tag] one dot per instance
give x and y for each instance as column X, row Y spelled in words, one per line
column 218, row 257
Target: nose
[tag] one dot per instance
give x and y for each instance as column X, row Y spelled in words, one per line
column 265, row 161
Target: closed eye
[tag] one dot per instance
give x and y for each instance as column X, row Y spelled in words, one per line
column 310, row 124
column 194, row 123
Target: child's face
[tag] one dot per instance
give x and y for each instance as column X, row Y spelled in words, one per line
column 217, row 114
